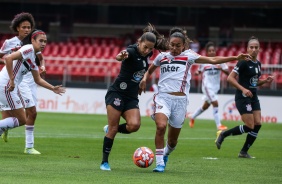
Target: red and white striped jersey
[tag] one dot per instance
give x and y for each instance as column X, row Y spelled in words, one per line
column 20, row 67
column 211, row 75
column 175, row 72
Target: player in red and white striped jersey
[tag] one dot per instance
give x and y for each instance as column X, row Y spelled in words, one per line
column 174, row 84
column 210, row 87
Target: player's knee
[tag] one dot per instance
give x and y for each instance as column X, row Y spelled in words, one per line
column 133, row 127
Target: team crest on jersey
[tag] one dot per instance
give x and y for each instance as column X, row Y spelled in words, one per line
column 117, row 102
column 123, row 85
column 249, row 107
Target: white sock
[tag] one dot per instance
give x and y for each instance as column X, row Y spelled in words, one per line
column 9, row 123
column 168, row 149
column 197, row 113
column 29, row 137
column 216, row 116
column 159, row 156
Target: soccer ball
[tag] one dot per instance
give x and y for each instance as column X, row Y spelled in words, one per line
column 143, row 157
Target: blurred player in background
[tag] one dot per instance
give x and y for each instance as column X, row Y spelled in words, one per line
column 23, row 24
column 210, row 87
column 122, row 96
column 174, row 85
column 246, row 99
column 18, row 64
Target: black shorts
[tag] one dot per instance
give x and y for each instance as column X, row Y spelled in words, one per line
column 121, row 102
column 248, row 105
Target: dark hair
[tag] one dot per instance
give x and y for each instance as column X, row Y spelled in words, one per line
column 152, row 35
column 19, row 18
column 33, row 34
column 180, row 33
column 253, row 38
column 208, row 45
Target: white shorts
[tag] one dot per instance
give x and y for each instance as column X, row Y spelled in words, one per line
column 174, row 107
column 210, row 95
column 28, row 93
column 10, row 100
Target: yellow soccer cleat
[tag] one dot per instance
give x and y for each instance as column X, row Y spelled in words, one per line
column 31, row 151
column 5, row 136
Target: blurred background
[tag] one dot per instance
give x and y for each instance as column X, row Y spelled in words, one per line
column 85, row 36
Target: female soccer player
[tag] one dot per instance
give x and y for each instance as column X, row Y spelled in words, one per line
column 246, row 98
column 122, row 96
column 18, row 64
column 174, row 85
column 210, row 87
column 22, row 24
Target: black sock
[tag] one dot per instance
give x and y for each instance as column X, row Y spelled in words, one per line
column 251, row 137
column 238, row 130
column 122, row 129
column 107, row 146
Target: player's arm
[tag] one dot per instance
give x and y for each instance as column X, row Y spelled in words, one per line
column 2, row 62
column 225, row 71
column 9, row 66
column 41, row 82
column 269, row 79
column 220, row 59
column 233, row 81
column 122, row 55
column 142, row 85
column 42, row 64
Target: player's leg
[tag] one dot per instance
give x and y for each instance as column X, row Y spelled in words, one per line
column 113, row 123
column 217, row 117
column 4, row 133
column 199, row 111
column 251, row 137
column 133, row 121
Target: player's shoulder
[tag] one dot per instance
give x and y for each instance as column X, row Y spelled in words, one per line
column 27, row 49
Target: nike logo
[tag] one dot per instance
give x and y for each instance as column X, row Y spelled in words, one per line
column 251, row 66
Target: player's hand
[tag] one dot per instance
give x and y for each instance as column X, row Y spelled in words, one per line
column 11, row 85
column 59, row 89
column 142, row 87
column 122, row 55
column 245, row 57
column 269, row 79
column 42, row 71
column 247, row 93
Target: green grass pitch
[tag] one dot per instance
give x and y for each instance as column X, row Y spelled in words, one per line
column 71, row 147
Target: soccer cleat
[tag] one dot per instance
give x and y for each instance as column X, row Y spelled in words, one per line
column 159, row 168
column 106, row 128
column 165, row 159
column 219, row 139
column 31, row 151
column 244, row 155
column 5, row 136
column 222, row 127
column 105, row 166
column 191, row 123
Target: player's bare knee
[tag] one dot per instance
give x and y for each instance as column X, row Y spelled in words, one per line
column 133, row 127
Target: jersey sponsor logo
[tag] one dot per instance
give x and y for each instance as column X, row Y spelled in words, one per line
column 160, row 107
column 27, row 51
column 123, row 85
column 169, row 68
column 3, row 106
column 254, row 81
column 137, row 76
column 249, row 107
column 117, row 102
